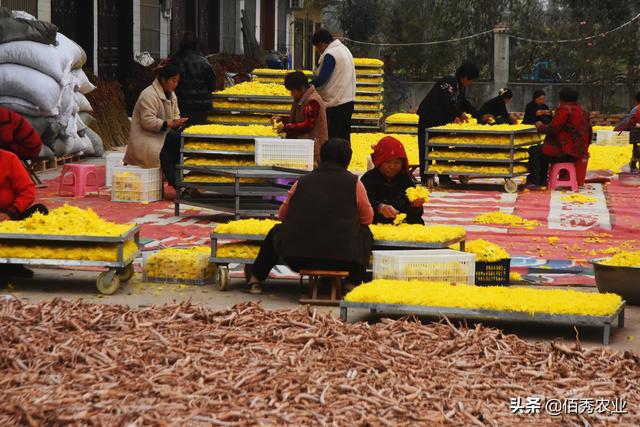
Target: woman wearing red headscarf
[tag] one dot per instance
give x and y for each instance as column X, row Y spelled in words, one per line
column 387, row 184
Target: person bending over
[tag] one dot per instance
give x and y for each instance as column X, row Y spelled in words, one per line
column 325, row 222
column 387, row 184
column 495, row 110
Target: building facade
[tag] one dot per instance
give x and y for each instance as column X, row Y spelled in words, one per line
column 114, row 32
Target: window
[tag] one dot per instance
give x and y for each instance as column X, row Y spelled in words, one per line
column 150, row 27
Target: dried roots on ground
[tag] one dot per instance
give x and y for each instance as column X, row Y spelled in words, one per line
column 77, row 363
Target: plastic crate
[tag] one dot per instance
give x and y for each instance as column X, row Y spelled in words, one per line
column 158, row 269
column 439, row 265
column 113, row 160
column 286, row 153
column 493, row 273
column 610, row 137
column 134, row 184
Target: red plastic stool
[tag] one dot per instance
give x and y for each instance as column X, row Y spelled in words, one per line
column 80, row 182
column 554, row 176
column 581, row 170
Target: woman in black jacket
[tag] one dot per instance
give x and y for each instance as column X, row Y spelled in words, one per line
column 536, row 110
column 197, row 80
column 497, row 109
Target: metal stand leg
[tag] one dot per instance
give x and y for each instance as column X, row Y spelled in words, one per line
column 177, row 208
column 606, row 333
column 343, row 313
column 621, row 319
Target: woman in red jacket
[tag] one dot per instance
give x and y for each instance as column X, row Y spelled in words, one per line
column 567, row 139
column 17, row 191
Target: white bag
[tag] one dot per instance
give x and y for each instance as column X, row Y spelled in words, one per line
column 82, row 83
column 83, row 103
column 78, row 145
column 31, row 85
column 22, row 106
column 55, row 61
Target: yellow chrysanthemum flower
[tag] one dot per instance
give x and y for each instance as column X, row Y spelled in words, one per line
column 485, row 251
column 500, row 298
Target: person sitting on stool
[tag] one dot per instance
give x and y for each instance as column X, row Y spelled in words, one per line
column 324, row 222
column 567, row 140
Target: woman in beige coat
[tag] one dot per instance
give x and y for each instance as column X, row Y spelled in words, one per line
column 155, row 113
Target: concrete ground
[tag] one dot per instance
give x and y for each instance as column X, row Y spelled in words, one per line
column 71, row 284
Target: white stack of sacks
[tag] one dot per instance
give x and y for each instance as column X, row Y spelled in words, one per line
column 46, row 85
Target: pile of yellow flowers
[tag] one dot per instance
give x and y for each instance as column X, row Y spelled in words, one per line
column 277, row 72
column 247, row 226
column 486, row 128
column 500, row 140
column 499, row 217
column 369, row 97
column 180, row 264
column 490, row 155
column 368, row 63
column 609, row 157
column 211, row 179
column 417, row 232
column 257, row 118
column 71, row 221
column 219, row 160
column 578, row 198
column 252, row 130
column 66, row 220
column 238, row 250
column 485, row 170
column 597, row 128
column 486, row 251
column 108, row 252
column 378, row 80
column 499, row 298
column 372, row 107
column 624, row 259
column 361, row 144
column 268, row 106
column 369, row 116
column 395, row 128
column 418, row 192
column 402, row 118
column 225, row 146
column 371, row 90
column 256, row 89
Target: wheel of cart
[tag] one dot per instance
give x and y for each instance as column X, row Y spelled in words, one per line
column 510, row 185
column 222, row 277
column 108, row 282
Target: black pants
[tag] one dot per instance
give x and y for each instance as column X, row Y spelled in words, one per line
column 339, row 121
column 170, row 156
column 539, row 165
column 268, row 257
column 422, row 149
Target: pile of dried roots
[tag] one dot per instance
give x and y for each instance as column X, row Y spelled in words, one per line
column 80, row 363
